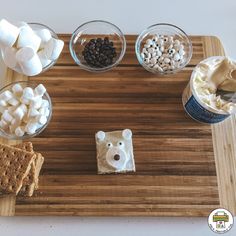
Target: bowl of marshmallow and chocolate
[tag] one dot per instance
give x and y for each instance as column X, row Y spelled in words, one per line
column 29, row 48
column 163, row 49
column 25, row 110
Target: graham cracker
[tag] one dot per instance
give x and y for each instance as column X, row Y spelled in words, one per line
column 15, row 165
column 30, row 183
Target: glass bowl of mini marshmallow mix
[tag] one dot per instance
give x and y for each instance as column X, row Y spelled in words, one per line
column 163, row 49
column 25, row 110
column 29, row 48
column 97, row 46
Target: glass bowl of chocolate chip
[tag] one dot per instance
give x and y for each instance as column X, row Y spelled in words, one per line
column 97, row 46
column 163, row 48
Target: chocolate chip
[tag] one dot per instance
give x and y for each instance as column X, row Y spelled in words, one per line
column 99, row 52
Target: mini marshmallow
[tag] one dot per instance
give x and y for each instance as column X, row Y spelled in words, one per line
column 19, row 132
column 36, row 102
column 3, row 103
column 6, row 116
column 44, row 34
column 33, row 112
column 14, row 124
column 25, row 101
column 9, row 57
column 53, row 48
column 24, row 108
column 3, row 124
column 42, row 120
column 40, row 90
column 44, row 111
column 8, row 33
column 47, row 112
column 31, row 127
column 45, row 103
column 6, row 95
column 28, row 93
column 19, row 113
column 17, row 90
column 13, row 102
column 29, row 61
column 43, row 58
column 27, row 38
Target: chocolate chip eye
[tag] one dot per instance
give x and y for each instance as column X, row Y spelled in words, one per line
column 120, row 143
column 109, row 145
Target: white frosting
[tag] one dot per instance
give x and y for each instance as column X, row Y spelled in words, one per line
column 212, row 74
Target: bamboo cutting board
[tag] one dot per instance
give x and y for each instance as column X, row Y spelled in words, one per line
column 183, row 168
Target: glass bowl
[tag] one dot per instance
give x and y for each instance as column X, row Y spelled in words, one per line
column 46, row 96
column 94, row 30
column 166, row 31
column 38, row 26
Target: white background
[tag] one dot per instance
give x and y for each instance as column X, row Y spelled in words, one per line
column 201, row 17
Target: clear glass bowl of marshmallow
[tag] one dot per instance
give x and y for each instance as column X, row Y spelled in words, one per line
column 25, row 110
column 163, row 49
column 29, row 48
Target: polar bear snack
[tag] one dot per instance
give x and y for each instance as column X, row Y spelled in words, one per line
column 115, row 152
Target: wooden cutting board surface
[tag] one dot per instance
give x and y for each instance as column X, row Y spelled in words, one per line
column 183, row 168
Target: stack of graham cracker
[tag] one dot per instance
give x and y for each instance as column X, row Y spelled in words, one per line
column 19, row 169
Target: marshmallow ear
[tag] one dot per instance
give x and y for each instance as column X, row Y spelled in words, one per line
column 127, row 134
column 100, row 136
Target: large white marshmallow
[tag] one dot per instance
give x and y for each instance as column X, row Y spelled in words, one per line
column 27, row 38
column 53, row 48
column 9, row 57
column 43, row 58
column 29, row 61
column 20, row 24
column 8, row 33
column 44, row 34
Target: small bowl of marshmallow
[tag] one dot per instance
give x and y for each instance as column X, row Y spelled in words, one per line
column 25, row 110
column 163, row 49
column 29, row 48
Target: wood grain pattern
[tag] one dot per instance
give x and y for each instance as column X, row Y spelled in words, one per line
column 224, row 141
column 176, row 172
